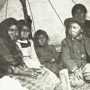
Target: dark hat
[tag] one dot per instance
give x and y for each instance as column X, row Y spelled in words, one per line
column 69, row 20
column 79, row 6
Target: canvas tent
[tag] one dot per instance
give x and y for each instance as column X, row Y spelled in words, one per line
column 48, row 15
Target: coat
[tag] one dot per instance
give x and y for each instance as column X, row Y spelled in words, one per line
column 86, row 27
column 8, row 56
column 72, row 51
column 45, row 55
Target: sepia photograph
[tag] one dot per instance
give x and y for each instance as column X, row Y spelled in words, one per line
column 44, row 44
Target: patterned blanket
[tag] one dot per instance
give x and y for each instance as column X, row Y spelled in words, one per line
column 43, row 81
column 86, row 86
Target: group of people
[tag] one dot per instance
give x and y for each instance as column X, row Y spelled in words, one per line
column 18, row 57
column 75, row 51
column 33, row 62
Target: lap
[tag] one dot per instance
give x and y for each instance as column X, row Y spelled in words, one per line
column 85, row 72
column 44, row 81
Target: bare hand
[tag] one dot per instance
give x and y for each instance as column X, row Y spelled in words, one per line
column 53, row 60
column 78, row 74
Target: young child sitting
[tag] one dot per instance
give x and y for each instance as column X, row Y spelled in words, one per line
column 41, row 74
column 46, row 53
column 75, row 51
column 25, row 44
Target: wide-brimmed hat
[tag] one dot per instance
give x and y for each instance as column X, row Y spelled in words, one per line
column 70, row 20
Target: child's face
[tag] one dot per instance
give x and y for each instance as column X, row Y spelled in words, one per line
column 25, row 33
column 74, row 29
column 42, row 40
column 13, row 32
column 79, row 13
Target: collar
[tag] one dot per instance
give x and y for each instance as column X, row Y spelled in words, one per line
column 79, row 38
column 24, row 44
column 24, row 41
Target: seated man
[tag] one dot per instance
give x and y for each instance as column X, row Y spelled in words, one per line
column 74, row 52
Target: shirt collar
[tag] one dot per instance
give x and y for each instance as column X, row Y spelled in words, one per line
column 79, row 38
column 20, row 41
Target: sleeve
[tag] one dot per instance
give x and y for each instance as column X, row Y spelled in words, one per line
column 54, row 52
column 39, row 55
column 4, row 52
column 66, row 57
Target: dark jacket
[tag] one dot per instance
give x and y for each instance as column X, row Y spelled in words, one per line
column 9, row 55
column 45, row 55
column 72, row 51
column 86, row 27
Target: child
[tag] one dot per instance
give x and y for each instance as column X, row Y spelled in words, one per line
column 80, row 11
column 75, row 51
column 25, row 43
column 19, row 67
column 46, row 53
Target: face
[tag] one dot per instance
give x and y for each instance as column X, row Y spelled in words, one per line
column 80, row 14
column 74, row 29
column 13, row 32
column 25, row 32
column 42, row 40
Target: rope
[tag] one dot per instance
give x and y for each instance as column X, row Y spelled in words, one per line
column 31, row 15
column 75, row 4
column 6, row 9
column 56, row 13
column 73, row 1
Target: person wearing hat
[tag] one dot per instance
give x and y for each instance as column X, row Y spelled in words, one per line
column 79, row 11
column 75, row 51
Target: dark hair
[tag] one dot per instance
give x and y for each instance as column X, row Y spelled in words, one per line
column 22, row 23
column 79, row 6
column 14, row 51
column 37, row 34
column 4, row 25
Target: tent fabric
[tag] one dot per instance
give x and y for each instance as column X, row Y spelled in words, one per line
column 44, row 16
column 2, row 2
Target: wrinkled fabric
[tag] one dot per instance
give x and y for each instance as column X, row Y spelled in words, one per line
column 71, row 52
column 45, row 55
column 79, row 82
column 44, row 81
column 29, row 54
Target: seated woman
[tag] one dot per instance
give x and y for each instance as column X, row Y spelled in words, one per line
column 75, row 51
column 46, row 53
column 7, row 55
column 18, row 68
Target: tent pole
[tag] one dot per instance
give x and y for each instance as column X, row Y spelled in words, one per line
column 31, row 15
column 6, row 9
column 56, row 13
